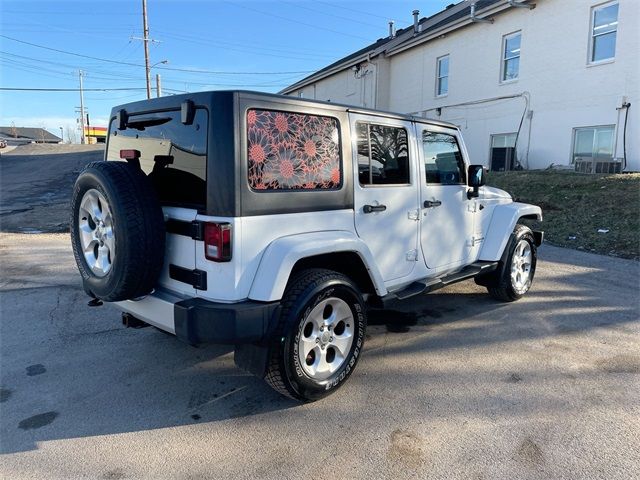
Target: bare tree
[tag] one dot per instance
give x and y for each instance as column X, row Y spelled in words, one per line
column 71, row 135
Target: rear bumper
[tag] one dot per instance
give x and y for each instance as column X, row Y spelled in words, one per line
column 198, row 321
column 201, row 321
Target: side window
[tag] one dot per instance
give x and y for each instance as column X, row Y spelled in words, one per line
column 293, row 151
column 442, row 159
column 442, row 76
column 511, row 56
column 383, row 155
column 604, row 30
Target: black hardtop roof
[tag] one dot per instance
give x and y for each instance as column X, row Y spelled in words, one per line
column 173, row 102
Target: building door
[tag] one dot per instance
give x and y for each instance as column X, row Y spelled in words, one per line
column 386, row 191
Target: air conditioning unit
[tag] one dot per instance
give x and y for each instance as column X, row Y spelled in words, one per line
column 597, row 165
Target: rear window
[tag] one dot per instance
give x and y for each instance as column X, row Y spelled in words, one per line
column 173, row 155
column 292, row 151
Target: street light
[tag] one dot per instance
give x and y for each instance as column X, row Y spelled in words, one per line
column 61, row 134
column 158, row 89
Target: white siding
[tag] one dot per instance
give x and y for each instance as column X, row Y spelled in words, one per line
column 564, row 90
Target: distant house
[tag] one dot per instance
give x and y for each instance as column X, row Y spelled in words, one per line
column 24, row 135
column 530, row 82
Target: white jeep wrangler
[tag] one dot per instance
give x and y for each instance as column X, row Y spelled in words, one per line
column 274, row 223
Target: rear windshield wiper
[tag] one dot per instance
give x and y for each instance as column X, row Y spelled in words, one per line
column 142, row 123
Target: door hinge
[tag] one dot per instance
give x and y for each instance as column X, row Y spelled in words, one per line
column 196, row 278
column 412, row 256
column 475, row 240
column 414, row 214
column 193, row 229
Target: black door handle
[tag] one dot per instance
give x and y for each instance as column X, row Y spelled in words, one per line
column 431, row 203
column 374, row 208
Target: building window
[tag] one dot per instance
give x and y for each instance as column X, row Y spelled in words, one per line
column 503, row 152
column 511, row 56
column 301, row 94
column 604, row 29
column 293, row 151
column 442, row 159
column 442, row 76
column 383, row 155
column 593, row 143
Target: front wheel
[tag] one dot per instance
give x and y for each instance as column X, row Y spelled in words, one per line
column 320, row 335
column 516, row 275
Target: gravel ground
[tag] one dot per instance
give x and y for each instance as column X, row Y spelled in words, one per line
column 452, row 385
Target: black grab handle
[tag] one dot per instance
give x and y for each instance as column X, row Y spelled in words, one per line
column 431, row 203
column 374, row 208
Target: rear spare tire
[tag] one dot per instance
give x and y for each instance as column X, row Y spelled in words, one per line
column 117, row 231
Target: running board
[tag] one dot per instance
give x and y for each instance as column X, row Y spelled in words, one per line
column 429, row 285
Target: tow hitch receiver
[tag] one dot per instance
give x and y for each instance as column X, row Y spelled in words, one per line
column 130, row 321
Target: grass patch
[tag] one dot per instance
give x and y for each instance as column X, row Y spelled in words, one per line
column 575, row 206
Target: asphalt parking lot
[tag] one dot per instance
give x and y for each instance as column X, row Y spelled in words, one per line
column 453, row 385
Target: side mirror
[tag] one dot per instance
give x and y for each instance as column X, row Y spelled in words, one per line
column 476, row 178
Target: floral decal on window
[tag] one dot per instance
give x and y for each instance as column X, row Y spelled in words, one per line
column 289, row 151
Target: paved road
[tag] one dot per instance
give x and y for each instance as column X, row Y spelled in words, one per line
column 548, row 387
column 36, row 182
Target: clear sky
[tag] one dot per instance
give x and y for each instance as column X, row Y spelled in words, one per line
column 224, row 44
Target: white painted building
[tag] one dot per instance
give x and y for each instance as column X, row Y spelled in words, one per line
column 557, row 79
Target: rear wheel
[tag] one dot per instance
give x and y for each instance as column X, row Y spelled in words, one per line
column 320, row 335
column 515, row 276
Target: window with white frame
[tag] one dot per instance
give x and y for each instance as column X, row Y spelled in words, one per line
column 604, row 30
column 593, row 143
column 442, row 76
column 511, row 56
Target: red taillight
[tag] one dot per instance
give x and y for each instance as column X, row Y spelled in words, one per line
column 130, row 154
column 217, row 241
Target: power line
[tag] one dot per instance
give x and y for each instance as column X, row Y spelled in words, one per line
column 262, row 12
column 359, row 11
column 22, row 89
column 120, row 77
column 351, row 20
column 191, row 70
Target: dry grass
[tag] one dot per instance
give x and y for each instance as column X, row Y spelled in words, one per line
column 575, row 206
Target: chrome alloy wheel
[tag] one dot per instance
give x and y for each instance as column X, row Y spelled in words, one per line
column 326, row 338
column 96, row 232
column 521, row 267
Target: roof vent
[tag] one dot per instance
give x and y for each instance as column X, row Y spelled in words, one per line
column 416, row 15
column 392, row 30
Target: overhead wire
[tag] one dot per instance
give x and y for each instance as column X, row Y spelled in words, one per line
column 192, row 70
column 281, row 17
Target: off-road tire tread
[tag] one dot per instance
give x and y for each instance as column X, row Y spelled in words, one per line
column 297, row 285
column 145, row 229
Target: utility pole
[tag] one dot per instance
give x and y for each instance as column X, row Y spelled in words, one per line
column 145, row 39
column 158, row 86
column 81, row 109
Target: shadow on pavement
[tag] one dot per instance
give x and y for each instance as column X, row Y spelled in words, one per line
column 70, row 371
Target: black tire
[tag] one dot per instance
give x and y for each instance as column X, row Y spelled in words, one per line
column 504, row 287
column 285, row 372
column 137, row 226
